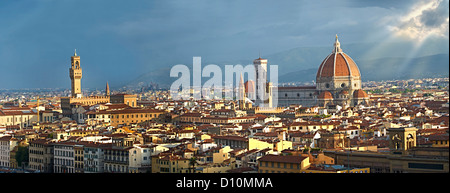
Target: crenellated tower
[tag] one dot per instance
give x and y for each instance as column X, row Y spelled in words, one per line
column 76, row 74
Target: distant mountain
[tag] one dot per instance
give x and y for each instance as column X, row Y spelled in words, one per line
column 377, row 61
column 305, row 58
column 386, row 69
column 159, row 76
column 403, row 68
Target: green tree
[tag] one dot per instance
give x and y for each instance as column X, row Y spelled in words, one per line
column 393, row 90
column 192, row 163
column 22, row 155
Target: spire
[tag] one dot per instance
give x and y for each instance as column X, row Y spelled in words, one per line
column 107, row 89
column 241, row 96
column 242, row 80
column 337, row 45
column 75, row 52
column 241, row 88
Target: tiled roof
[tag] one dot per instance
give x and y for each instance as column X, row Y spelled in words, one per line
column 282, row 159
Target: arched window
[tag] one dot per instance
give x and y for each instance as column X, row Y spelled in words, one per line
column 409, row 141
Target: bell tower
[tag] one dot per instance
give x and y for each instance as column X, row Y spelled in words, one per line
column 75, row 73
column 402, row 139
column 261, row 81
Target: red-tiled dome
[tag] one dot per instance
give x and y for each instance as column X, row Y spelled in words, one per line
column 360, row 94
column 338, row 63
column 325, row 95
column 344, row 92
column 249, row 86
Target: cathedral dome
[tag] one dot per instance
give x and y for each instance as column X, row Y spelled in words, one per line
column 337, row 63
column 250, row 86
column 325, row 95
column 360, row 94
column 344, row 92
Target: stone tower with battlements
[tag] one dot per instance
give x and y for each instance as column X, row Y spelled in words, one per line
column 76, row 74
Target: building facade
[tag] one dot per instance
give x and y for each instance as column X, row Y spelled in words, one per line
column 282, row 164
column 140, row 159
column 404, row 155
column 64, row 157
column 40, row 155
column 93, row 157
column 23, row 117
column 7, row 144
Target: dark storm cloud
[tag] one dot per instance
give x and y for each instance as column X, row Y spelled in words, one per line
column 436, row 17
column 119, row 40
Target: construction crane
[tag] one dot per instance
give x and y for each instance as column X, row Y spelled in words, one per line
column 37, row 110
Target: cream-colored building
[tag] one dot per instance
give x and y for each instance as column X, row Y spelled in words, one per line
column 22, row 117
column 278, row 145
column 222, row 155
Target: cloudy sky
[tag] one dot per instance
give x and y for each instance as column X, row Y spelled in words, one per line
column 119, row 40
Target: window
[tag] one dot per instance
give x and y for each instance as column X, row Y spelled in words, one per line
column 426, row 166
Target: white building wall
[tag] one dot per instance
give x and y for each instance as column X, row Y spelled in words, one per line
column 93, row 160
column 6, row 145
column 64, row 159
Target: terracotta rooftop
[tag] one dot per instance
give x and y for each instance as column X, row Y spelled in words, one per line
column 360, row 94
column 325, row 95
column 282, row 159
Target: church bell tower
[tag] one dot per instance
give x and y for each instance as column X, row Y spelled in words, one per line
column 75, row 75
column 402, row 139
